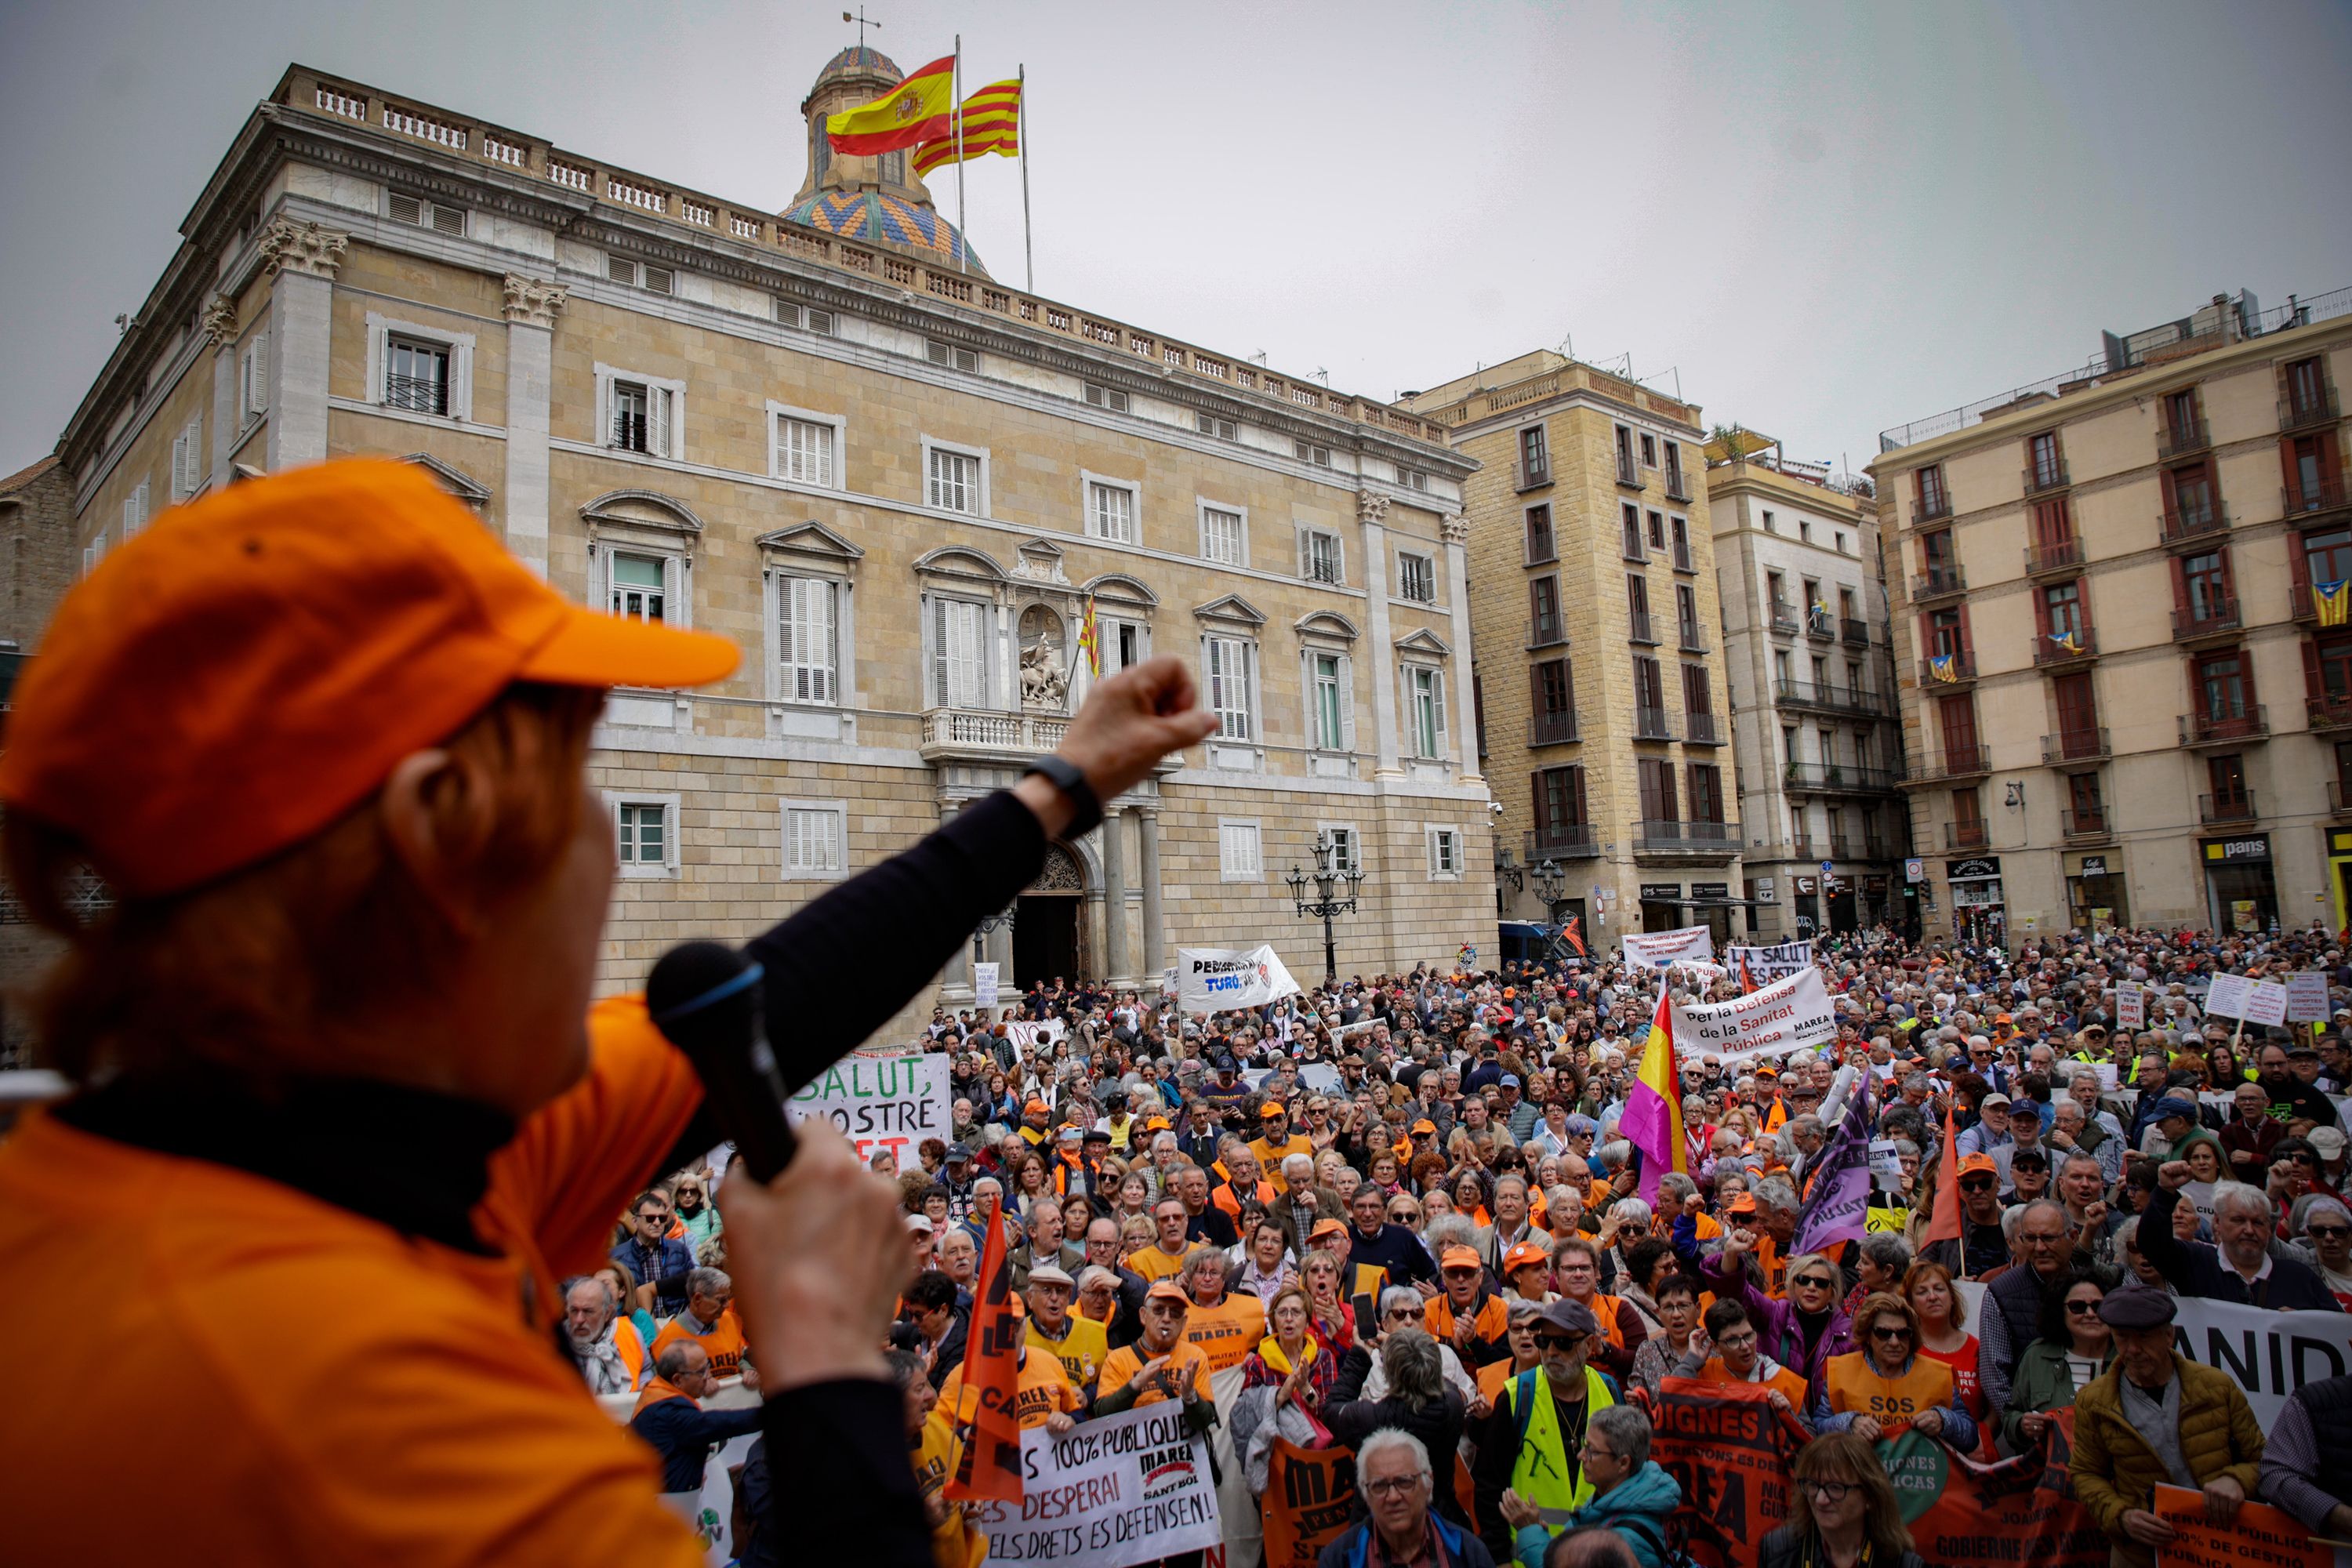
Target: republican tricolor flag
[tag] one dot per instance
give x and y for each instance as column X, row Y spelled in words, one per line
column 1653, row 1121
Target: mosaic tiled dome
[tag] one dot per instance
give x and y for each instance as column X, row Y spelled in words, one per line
column 857, row 58
column 871, row 215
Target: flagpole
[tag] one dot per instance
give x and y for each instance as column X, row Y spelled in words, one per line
column 963, row 246
column 1021, row 131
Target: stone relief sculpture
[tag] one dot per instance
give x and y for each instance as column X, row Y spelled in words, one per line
column 1043, row 682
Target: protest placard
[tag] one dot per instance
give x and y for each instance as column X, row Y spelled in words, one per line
column 1657, row 948
column 2266, row 1003
column 1212, row 979
column 2016, row 1511
column 1763, row 965
column 2260, row 1537
column 1109, row 1493
column 983, row 984
column 2306, row 996
column 2226, row 996
column 2131, row 1006
column 1730, row 1453
column 1886, row 1164
column 1309, row 1494
column 1778, row 1017
column 882, row 1103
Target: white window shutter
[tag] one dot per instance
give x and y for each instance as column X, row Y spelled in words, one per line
column 1308, row 695
column 1306, row 553
column 260, row 404
column 657, row 413
column 1346, row 702
column 1437, row 702
column 936, row 625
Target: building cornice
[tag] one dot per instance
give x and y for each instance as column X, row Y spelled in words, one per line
column 1753, row 479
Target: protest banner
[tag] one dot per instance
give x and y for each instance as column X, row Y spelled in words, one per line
column 2306, row 996
column 1763, row 965
column 2260, row 1537
column 1657, row 948
column 1109, row 1493
column 882, row 1103
column 1237, row 1508
column 1731, row 1454
column 1036, row 1035
column 2023, row 1509
column 2266, row 1003
column 983, row 984
column 1212, row 979
column 1887, row 1222
column 2131, row 1006
column 2227, row 995
column 1776, row 1019
column 1309, row 1494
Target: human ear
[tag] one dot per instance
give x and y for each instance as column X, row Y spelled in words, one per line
column 437, row 816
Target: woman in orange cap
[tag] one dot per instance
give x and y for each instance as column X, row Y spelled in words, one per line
column 345, row 1117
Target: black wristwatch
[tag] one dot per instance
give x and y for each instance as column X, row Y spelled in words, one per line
column 1071, row 780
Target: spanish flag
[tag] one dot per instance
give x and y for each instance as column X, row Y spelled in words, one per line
column 1652, row 1118
column 991, row 124
column 919, row 109
column 2333, row 601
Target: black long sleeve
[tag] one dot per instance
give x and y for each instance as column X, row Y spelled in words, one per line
column 844, row 1488
column 839, row 968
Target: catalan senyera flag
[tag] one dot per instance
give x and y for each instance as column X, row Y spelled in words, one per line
column 917, row 111
column 991, row 124
column 1652, row 1121
column 1090, row 637
column 2333, row 601
column 991, row 1466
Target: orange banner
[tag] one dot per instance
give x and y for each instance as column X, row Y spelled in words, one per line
column 1309, row 1493
column 1731, row 1453
column 992, row 1366
column 2260, row 1537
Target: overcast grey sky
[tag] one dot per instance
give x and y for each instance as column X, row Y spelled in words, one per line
column 1828, row 219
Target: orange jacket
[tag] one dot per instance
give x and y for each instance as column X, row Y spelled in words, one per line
column 284, row 1381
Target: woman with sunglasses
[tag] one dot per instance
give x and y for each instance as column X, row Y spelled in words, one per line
column 2076, row 1346
column 2323, row 1226
column 694, row 1210
column 1887, row 1387
column 1802, row 1332
column 1843, row 1513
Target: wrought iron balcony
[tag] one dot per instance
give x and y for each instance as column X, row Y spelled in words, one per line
column 2329, row 711
column 2307, row 413
column 2092, row 822
column 1821, row 626
column 2248, row 722
column 2084, row 745
column 1690, row 638
column 1638, row 628
column 2081, row 647
column 1958, row 763
column 2217, row 618
column 1543, row 631
column 419, row 393
column 1939, row 583
column 1699, row 730
column 1561, row 841
column 1678, row 488
column 1692, row 840
column 1784, row 621
column 2213, row 808
column 1966, row 835
column 1629, row 472
column 1934, row 507
column 1652, row 724
column 1834, row 778
column 2053, row 556
column 2180, row 438
column 1553, row 729
column 2323, row 494
column 2191, row 525
column 1954, row 669
column 1855, row 631
column 2041, row 479
column 1530, row 476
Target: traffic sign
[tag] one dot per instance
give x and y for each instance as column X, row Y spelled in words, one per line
column 1828, row 866
column 1914, row 870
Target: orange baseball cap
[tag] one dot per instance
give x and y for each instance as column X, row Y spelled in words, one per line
column 1424, row 1125
column 1324, row 1228
column 1741, row 1203
column 1036, row 1108
column 1273, row 1109
column 1460, row 1258
column 251, row 668
column 1165, row 1289
column 1522, row 1255
column 1971, row 1165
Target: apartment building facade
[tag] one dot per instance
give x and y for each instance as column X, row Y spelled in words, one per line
column 900, row 485
column 1811, row 680
column 2125, row 671
column 1600, row 684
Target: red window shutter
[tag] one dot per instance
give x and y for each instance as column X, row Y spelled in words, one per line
column 2313, row 686
column 2288, row 470
column 1968, row 634
column 2180, row 586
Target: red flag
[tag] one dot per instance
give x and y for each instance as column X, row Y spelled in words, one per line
column 991, row 1368
column 1944, row 1225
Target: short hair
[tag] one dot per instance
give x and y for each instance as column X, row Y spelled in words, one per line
column 1583, row 1244
column 1455, row 1229
column 1205, row 1258
column 1292, row 1163
column 930, row 1290
column 1929, row 1268
column 707, row 1282
column 654, row 1193
column 1680, row 1284
column 1396, row 1296
column 1725, row 1313
column 1416, row 1373
column 2241, row 1196
column 1589, row 1546
column 2315, row 1202
column 1776, row 1194
column 1627, row 1429
column 1889, row 1252
column 905, row 1367
column 1093, row 1271
column 674, row 1357
column 1389, row 1439
column 603, row 1285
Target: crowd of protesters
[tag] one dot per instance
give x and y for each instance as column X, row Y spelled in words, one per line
column 1402, row 1209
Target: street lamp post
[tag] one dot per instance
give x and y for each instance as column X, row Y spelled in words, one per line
column 1550, row 886
column 1327, row 902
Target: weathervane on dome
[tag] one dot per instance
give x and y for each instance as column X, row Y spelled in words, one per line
column 862, row 25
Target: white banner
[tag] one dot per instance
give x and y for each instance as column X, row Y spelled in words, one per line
column 1657, row 948
column 1762, row 965
column 883, row 1103
column 2131, row 1006
column 2227, row 995
column 1035, row 1033
column 1212, row 979
column 2266, row 1003
column 1777, row 1018
column 983, row 984
column 2306, row 996
column 1109, row 1493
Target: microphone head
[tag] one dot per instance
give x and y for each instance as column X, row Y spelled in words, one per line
column 688, row 972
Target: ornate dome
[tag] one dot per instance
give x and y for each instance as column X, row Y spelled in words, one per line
column 871, row 214
column 858, row 58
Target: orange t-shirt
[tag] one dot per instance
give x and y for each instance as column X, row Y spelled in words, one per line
column 420, row 1412
column 1188, row 1361
column 1043, row 1389
column 723, row 1343
column 1227, row 1331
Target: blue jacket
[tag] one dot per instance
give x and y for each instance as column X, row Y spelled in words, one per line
column 1354, row 1550
column 1636, row 1511
column 682, row 1432
column 667, row 1257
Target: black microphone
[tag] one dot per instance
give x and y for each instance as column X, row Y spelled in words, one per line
column 705, row 999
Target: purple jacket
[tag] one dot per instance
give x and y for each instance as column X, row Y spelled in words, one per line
column 1777, row 1329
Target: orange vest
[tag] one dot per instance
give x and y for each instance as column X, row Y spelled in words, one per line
column 1223, row 1196
column 1605, row 1309
column 1494, row 1376
column 657, row 1390
column 1186, row 1359
column 935, row 1455
column 723, row 1343
column 1155, row 1265
column 1773, row 1266
column 1889, row 1401
column 1787, row 1382
column 1227, row 1331
column 1487, row 1327
column 1270, row 1156
column 631, row 1347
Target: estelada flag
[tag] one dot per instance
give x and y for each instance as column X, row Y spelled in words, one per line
column 991, row 124
column 915, row 112
column 992, row 1367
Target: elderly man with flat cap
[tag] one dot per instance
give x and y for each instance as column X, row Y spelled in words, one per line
column 1528, row 1468
column 2153, row 1418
